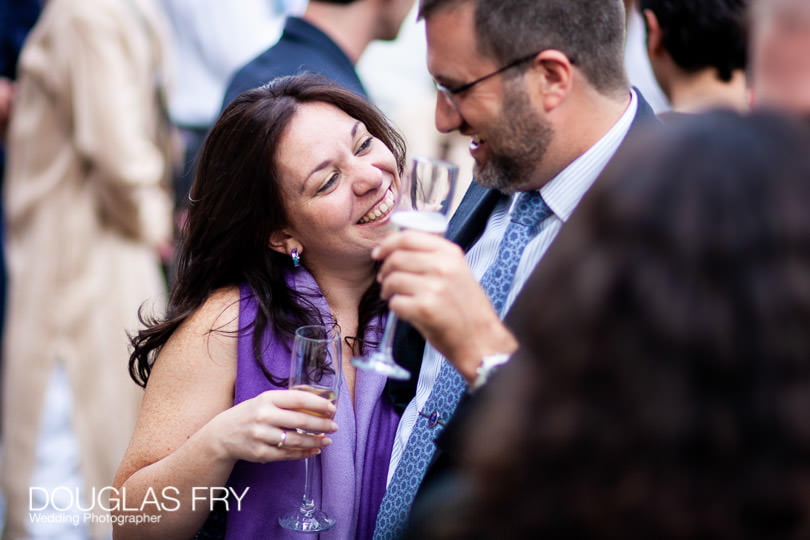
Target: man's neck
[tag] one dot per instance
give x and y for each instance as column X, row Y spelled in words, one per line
column 586, row 120
column 349, row 26
column 698, row 92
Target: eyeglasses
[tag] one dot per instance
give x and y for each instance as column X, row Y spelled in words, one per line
column 449, row 93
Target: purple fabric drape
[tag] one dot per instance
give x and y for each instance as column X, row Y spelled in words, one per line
column 348, row 478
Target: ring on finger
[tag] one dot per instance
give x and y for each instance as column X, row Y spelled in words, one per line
column 280, row 443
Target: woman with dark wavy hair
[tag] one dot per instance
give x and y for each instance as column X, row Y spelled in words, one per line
column 662, row 385
column 294, row 188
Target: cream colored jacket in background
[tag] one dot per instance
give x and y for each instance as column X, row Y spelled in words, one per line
column 87, row 206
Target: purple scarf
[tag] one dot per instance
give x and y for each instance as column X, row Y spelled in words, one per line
column 348, row 478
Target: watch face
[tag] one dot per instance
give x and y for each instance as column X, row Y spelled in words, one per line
column 494, row 360
column 489, row 364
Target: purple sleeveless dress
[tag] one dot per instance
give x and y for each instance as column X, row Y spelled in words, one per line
column 348, row 478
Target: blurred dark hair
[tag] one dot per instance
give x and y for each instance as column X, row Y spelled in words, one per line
column 236, row 203
column 703, row 33
column 591, row 32
column 662, row 387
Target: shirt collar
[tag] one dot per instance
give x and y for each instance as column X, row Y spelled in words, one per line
column 563, row 192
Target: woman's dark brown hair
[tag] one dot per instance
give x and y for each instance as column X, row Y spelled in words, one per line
column 236, row 202
column 662, row 387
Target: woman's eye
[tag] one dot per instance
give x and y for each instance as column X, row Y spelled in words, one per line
column 365, row 145
column 329, row 183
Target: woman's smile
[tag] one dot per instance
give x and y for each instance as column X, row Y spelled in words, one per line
column 380, row 210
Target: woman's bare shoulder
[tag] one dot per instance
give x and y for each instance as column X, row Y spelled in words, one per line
column 205, row 345
column 219, row 312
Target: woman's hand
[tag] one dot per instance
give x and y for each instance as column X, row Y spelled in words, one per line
column 253, row 429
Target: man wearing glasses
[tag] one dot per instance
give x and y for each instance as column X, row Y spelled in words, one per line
column 540, row 88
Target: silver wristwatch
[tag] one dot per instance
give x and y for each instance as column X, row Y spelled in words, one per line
column 489, row 365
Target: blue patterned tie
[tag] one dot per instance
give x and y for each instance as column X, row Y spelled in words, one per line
column 392, row 517
column 529, row 213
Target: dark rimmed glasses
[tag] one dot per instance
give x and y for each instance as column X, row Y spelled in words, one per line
column 449, row 93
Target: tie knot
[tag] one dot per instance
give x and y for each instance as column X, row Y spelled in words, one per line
column 530, row 210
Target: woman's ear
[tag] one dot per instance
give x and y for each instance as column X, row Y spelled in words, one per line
column 283, row 242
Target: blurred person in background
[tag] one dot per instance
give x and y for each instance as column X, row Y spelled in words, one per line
column 697, row 49
column 87, row 207
column 780, row 62
column 661, row 385
column 17, row 17
column 328, row 39
column 210, row 40
column 636, row 60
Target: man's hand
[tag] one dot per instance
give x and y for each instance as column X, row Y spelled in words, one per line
column 428, row 283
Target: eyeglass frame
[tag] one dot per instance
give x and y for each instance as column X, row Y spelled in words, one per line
column 449, row 93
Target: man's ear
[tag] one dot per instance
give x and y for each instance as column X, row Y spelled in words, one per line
column 283, row 242
column 552, row 74
column 654, row 34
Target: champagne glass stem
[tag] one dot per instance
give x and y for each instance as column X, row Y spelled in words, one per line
column 387, row 344
column 382, row 360
column 307, row 503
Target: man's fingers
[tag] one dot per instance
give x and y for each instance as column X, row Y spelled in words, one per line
column 408, row 240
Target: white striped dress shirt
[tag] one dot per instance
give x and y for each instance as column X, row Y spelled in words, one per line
column 562, row 194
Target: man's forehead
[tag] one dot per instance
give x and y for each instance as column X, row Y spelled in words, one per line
column 452, row 51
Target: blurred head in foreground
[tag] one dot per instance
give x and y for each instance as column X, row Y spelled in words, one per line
column 662, row 388
column 780, row 63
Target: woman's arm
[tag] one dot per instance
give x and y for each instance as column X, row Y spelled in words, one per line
column 189, row 434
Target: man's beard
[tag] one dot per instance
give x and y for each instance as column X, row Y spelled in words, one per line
column 517, row 145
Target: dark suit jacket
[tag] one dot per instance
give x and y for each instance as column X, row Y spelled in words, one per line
column 302, row 47
column 466, row 228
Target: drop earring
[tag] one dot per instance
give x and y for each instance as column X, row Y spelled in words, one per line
column 296, row 258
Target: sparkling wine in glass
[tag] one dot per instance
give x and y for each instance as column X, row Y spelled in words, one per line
column 426, row 195
column 315, row 368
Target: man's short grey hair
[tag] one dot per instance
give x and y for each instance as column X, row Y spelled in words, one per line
column 590, row 32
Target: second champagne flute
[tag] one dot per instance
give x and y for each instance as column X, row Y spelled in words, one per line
column 426, row 196
column 315, row 367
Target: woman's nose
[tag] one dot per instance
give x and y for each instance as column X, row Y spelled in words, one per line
column 368, row 177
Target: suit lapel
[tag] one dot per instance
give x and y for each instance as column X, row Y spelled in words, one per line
column 470, row 218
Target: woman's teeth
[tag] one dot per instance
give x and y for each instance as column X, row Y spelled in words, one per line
column 381, row 209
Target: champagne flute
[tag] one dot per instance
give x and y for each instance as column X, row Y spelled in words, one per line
column 315, row 367
column 426, row 196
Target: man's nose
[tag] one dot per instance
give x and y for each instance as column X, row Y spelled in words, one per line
column 447, row 117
